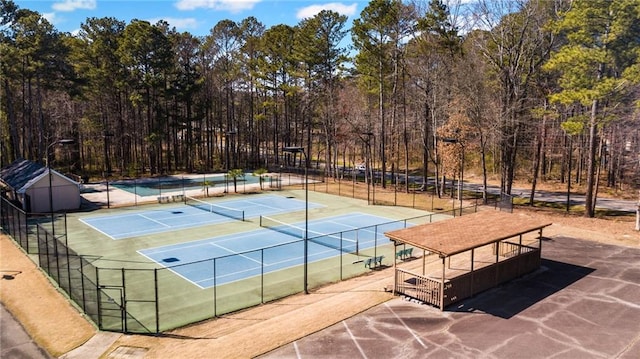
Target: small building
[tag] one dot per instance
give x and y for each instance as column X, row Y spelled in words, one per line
column 29, row 184
column 467, row 255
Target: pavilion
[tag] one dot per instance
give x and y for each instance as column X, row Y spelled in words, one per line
column 476, row 252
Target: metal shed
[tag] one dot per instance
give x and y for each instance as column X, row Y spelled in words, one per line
column 30, row 183
column 475, row 252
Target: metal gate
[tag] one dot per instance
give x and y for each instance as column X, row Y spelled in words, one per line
column 111, row 309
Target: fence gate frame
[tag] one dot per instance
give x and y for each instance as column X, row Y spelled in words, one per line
column 104, row 292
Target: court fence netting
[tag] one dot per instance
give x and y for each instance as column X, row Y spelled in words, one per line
column 155, row 300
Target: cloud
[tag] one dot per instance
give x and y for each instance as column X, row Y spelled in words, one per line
column 71, row 5
column 233, row 6
column 52, row 17
column 340, row 8
column 181, row 24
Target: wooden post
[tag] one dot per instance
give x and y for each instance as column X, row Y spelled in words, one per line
column 442, row 284
column 395, row 269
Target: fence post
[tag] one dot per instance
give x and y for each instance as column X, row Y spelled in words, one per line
column 638, row 213
column 215, row 309
column 155, row 283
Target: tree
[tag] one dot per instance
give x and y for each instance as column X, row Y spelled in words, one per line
column 432, row 57
column 35, row 63
column 251, row 30
column 235, row 174
column 318, row 47
column 147, row 56
column 474, row 104
column 378, row 33
column 185, row 86
column 95, row 58
column 276, row 68
column 515, row 46
column 260, row 172
column 601, row 52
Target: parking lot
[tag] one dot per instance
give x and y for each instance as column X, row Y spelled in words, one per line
column 582, row 303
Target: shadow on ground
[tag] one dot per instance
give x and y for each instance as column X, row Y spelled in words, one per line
column 513, row 297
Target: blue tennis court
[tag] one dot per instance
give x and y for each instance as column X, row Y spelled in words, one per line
column 183, row 216
column 243, row 255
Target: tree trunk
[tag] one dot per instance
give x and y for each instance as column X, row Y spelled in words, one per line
column 537, row 160
column 591, row 163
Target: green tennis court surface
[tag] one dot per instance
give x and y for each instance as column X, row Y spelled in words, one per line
column 196, row 213
column 243, row 255
column 164, row 290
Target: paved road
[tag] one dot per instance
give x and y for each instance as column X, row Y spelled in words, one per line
column 561, row 197
column 15, row 343
column 543, row 196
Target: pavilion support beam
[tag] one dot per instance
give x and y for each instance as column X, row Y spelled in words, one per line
column 471, row 281
column 395, row 266
column 520, row 246
column 442, row 283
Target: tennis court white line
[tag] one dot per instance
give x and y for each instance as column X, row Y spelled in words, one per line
column 233, row 252
column 295, row 347
column 266, row 206
column 98, row 230
column 405, row 325
column 153, row 220
column 172, row 271
column 89, row 221
column 348, row 226
column 354, row 340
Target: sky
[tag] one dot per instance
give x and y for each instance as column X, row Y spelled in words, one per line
column 194, row 16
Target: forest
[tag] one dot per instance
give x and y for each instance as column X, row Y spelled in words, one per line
column 540, row 90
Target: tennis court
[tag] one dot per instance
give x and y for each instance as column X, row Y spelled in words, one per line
column 195, row 213
column 239, row 256
column 167, row 273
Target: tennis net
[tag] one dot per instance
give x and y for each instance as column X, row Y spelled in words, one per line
column 215, row 208
column 332, row 241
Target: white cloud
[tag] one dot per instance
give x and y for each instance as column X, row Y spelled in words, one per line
column 233, row 6
column 71, row 5
column 181, row 24
column 52, row 17
column 313, row 10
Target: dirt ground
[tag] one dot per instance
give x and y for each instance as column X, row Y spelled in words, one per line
column 58, row 327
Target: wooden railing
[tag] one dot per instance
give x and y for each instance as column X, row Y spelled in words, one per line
column 419, row 287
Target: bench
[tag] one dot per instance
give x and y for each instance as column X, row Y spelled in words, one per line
column 177, row 197
column 373, row 262
column 404, row 253
column 163, row 199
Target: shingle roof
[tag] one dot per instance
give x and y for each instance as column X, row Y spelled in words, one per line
column 460, row 234
column 20, row 172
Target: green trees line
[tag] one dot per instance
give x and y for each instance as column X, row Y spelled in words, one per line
column 542, row 89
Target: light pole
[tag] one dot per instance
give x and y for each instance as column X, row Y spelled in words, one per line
column 295, row 150
column 107, row 163
column 228, row 135
column 368, row 175
column 57, row 142
column 461, row 179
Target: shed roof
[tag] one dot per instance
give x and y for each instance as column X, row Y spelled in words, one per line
column 17, row 174
column 464, row 233
column 21, row 174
